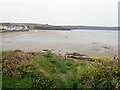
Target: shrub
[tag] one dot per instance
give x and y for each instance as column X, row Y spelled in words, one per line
column 50, row 71
column 27, row 77
column 100, row 74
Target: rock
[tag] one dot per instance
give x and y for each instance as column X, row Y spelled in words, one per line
column 78, row 56
column 6, row 62
column 66, row 37
column 5, row 70
column 45, row 49
column 59, row 50
column 18, row 51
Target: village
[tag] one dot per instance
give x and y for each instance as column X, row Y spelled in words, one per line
column 11, row 27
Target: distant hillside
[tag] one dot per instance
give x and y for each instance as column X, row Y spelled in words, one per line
column 47, row 27
column 53, row 27
column 92, row 27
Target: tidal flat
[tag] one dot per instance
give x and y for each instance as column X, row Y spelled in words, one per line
column 88, row 42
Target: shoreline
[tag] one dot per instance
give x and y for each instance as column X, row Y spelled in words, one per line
column 64, row 54
column 75, row 56
column 4, row 31
column 13, row 31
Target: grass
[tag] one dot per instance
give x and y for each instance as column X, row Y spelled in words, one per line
column 97, row 49
column 0, row 81
column 7, row 54
column 47, row 70
column 103, row 47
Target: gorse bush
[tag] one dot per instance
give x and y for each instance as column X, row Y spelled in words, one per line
column 107, row 73
column 26, row 77
column 50, row 71
column 49, row 54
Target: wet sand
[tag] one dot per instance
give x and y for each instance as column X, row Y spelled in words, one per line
column 91, row 43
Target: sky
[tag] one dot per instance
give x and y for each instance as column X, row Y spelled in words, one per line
column 61, row 12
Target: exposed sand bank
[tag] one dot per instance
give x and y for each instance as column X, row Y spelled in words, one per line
column 88, row 42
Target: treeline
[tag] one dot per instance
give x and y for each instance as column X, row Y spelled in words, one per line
column 93, row 27
column 51, row 27
column 48, row 27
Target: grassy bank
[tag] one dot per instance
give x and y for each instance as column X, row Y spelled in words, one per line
column 47, row 70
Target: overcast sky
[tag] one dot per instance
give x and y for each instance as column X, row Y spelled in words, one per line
column 61, row 12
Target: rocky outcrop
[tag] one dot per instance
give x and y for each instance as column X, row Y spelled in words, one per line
column 78, row 56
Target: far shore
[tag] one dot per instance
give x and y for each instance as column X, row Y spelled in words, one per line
column 4, row 31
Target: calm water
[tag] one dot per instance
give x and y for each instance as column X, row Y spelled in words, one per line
column 83, row 41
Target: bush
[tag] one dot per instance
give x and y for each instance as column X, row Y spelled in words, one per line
column 50, row 71
column 27, row 77
column 100, row 74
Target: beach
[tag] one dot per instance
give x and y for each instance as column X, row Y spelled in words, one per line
column 88, row 42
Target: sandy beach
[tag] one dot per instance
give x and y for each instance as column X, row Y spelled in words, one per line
column 88, row 42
